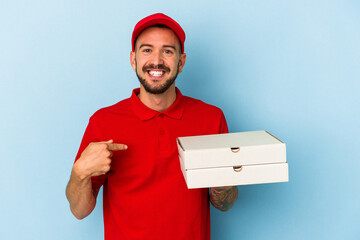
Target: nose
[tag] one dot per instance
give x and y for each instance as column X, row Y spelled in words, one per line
column 157, row 58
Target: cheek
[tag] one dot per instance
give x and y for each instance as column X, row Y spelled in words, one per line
column 141, row 62
column 175, row 63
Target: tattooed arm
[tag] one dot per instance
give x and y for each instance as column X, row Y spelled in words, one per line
column 223, row 198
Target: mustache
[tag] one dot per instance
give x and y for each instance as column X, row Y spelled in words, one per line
column 153, row 66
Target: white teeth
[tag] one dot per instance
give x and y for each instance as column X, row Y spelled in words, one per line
column 156, row 73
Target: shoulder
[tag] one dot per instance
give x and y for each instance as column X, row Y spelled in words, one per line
column 122, row 107
column 197, row 106
column 203, row 118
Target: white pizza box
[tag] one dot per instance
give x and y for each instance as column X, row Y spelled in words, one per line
column 232, row 159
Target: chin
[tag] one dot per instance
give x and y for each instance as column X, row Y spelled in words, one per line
column 155, row 90
column 158, row 88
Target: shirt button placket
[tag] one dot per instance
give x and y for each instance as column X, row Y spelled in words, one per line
column 162, row 132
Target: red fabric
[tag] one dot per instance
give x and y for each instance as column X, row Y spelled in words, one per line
column 145, row 195
column 158, row 18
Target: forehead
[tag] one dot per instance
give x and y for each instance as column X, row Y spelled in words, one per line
column 158, row 37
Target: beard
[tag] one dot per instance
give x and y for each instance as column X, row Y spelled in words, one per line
column 159, row 89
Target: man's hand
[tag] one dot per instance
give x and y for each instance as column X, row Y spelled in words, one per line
column 223, row 198
column 95, row 160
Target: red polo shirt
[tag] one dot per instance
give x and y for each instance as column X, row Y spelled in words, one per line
column 145, row 194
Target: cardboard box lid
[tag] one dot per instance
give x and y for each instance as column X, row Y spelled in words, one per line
column 232, row 149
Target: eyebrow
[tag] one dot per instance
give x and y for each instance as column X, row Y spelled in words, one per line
column 145, row 45
column 149, row 45
column 170, row 46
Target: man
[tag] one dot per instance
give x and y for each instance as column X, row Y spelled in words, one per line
column 130, row 148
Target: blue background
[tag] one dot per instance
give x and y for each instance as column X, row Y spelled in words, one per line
column 288, row 67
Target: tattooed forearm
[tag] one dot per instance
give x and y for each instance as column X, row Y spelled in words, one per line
column 223, row 198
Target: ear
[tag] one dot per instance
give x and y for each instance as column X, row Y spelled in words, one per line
column 132, row 60
column 182, row 62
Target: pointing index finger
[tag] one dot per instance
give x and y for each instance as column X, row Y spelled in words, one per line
column 116, row 146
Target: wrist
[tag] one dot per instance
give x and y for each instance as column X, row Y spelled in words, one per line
column 79, row 171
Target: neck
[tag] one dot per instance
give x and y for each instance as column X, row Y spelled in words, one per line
column 158, row 102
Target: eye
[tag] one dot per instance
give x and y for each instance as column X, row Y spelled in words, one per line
column 146, row 50
column 167, row 51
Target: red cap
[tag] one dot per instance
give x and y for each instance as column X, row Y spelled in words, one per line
column 158, row 18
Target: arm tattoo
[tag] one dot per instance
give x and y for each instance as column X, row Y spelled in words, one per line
column 223, row 198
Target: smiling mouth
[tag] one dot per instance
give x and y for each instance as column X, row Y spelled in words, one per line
column 156, row 73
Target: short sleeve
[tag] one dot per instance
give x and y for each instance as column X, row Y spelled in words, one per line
column 223, row 128
column 91, row 135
